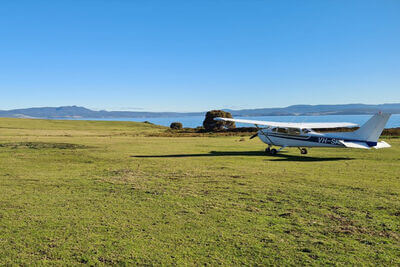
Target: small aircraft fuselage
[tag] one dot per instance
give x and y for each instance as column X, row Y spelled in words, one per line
column 293, row 137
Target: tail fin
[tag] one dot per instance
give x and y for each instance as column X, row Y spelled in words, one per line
column 372, row 129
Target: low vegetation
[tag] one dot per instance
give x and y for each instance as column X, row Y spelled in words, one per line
column 247, row 131
column 93, row 192
column 176, row 126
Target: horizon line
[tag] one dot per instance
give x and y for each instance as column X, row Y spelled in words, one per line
column 139, row 110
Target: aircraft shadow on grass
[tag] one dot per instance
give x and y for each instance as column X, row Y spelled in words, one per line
column 278, row 157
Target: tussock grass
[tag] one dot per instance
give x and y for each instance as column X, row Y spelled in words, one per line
column 76, row 192
column 41, row 145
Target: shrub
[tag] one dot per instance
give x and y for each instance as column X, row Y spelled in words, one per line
column 211, row 125
column 176, row 126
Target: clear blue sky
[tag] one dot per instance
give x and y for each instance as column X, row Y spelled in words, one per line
column 198, row 55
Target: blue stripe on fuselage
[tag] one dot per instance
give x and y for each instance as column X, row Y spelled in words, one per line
column 321, row 139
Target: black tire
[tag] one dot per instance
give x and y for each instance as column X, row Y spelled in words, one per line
column 268, row 150
column 303, row 151
column 273, row 151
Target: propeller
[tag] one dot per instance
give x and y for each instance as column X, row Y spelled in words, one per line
column 254, row 135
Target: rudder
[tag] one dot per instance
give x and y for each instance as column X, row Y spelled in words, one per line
column 372, row 129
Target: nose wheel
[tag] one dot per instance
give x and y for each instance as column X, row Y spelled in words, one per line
column 272, row 151
column 303, row 151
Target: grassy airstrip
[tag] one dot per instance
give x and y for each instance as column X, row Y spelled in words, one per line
column 76, row 192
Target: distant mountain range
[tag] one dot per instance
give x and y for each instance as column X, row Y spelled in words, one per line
column 311, row 110
column 81, row 112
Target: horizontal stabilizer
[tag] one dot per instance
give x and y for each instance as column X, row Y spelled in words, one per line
column 382, row 144
column 305, row 125
column 354, row 144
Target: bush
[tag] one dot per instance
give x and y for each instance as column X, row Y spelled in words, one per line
column 176, row 126
column 211, row 125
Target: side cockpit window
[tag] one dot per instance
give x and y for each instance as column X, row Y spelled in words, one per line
column 282, row 130
column 294, row 131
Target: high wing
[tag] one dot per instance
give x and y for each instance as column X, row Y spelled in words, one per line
column 307, row 125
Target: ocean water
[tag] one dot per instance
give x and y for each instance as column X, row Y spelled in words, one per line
column 195, row 121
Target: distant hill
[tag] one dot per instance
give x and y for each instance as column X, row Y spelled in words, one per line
column 81, row 112
column 346, row 109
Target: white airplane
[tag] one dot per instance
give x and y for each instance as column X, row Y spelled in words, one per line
column 301, row 135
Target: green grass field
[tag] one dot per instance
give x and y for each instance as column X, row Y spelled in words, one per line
column 79, row 192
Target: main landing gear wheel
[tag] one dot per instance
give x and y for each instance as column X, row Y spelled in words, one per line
column 273, row 151
column 268, row 150
column 303, row 151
